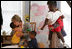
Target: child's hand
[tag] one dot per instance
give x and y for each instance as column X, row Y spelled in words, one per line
column 39, row 28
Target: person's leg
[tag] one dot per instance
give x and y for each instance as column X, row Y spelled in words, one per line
column 50, row 38
column 55, row 41
column 59, row 31
column 60, row 36
column 63, row 32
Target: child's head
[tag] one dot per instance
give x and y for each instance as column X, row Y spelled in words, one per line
column 16, row 20
column 32, row 34
column 52, row 5
column 12, row 25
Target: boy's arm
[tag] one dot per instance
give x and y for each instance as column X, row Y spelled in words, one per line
column 45, row 23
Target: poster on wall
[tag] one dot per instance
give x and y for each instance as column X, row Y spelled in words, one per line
column 38, row 12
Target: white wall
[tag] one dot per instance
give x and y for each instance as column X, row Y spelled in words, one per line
column 42, row 35
column 66, row 10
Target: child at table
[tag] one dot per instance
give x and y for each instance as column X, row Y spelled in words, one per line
column 23, row 42
column 33, row 43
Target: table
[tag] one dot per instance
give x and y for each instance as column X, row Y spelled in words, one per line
column 12, row 46
column 6, row 39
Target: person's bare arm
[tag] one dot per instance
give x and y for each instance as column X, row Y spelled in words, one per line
column 45, row 23
column 61, row 36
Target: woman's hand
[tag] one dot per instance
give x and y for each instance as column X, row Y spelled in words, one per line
column 20, row 34
column 19, row 29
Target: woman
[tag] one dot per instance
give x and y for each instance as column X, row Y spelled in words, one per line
column 16, row 26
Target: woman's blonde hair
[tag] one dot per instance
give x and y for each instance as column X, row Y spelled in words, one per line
column 17, row 18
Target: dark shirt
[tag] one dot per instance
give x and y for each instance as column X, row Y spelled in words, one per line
column 33, row 43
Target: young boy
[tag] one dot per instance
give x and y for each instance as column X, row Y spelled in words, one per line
column 33, row 43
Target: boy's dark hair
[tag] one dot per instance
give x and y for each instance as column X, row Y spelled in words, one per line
column 12, row 25
column 52, row 3
column 33, row 32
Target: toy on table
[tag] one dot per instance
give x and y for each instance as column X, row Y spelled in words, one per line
column 22, row 46
column 23, row 42
column 28, row 29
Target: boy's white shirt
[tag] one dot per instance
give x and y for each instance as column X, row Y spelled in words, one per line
column 53, row 16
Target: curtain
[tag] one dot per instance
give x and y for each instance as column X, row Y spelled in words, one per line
column 9, row 8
